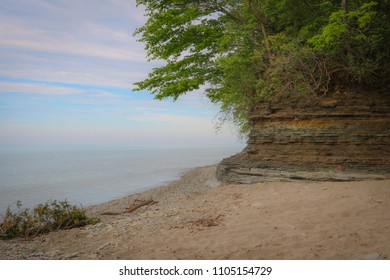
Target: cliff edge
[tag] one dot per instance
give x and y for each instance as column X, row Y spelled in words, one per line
column 342, row 136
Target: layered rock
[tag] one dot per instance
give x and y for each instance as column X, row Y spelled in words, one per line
column 342, row 136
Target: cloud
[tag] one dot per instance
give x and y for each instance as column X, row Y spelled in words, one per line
column 66, row 48
column 67, row 70
column 91, row 40
column 68, row 40
column 9, row 87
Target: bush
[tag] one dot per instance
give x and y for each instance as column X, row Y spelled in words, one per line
column 51, row 216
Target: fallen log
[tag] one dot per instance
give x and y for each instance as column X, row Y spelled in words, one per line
column 131, row 208
column 135, row 207
column 109, row 213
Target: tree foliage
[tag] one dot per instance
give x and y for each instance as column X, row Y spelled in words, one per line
column 250, row 51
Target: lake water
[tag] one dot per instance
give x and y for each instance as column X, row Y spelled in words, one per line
column 90, row 177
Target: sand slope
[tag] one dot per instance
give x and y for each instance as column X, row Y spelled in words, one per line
column 197, row 218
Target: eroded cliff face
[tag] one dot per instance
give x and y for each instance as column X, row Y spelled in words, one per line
column 342, row 136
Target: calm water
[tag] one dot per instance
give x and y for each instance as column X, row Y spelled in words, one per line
column 91, row 177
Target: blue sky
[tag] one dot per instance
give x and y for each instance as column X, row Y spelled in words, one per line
column 67, row 70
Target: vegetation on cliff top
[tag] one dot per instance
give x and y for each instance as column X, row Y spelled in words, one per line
column 245, row 52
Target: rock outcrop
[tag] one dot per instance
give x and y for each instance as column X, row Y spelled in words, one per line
column 342, row 136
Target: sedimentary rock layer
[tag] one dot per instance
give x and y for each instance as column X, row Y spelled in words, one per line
column 345, row 130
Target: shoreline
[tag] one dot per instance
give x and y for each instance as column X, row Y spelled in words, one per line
column 197, row 217
column 89, row 177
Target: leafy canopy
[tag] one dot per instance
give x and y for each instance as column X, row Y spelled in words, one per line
column 247, row 52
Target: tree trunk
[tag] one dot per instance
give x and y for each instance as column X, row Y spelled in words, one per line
column 258, row 13
column 344, row 5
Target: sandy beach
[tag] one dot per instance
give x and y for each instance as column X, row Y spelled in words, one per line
column 196, row 217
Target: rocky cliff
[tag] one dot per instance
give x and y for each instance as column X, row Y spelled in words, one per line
column 342, row 136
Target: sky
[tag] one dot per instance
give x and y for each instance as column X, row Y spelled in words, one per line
column 67, row 70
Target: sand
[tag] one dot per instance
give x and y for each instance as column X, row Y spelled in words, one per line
column 199, row 218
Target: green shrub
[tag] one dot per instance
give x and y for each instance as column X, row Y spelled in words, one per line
column 50, row 216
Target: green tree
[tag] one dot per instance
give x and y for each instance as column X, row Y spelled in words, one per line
column 356, row 41
column 252, row 51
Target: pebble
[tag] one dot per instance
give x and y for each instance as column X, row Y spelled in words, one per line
column 257, row 205
column 372, row 256
column 213, row 183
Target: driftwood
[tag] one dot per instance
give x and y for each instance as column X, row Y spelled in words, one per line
column 135, row 207
column 131, row 208
column 110, row 213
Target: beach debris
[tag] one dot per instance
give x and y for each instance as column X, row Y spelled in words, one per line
column 71, row 256
column 132, row 208
column 201, row 223
column 257, row 205
column 102, row 247
column 142, row 203
column 208, row 222
column 212, row 183
column 372, row 256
